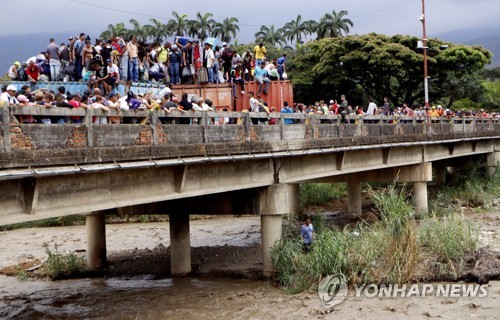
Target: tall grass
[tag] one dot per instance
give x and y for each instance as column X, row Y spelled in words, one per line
column 61, row 264
column 321, row 193
column 384, row 252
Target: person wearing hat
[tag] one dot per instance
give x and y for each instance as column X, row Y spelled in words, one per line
column 9, row 95
column 112, row 76
column 13, row 71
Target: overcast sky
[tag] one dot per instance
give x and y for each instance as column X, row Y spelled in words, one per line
column 386, row 16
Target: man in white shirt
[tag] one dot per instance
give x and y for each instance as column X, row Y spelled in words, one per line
column 208, row 61
column 372, row 108
column 9, row 95
column 112, row 77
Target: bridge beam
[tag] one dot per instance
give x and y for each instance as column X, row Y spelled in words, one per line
column 180, row 244
column 274, row 201
column 493, row 161
column 95, row 224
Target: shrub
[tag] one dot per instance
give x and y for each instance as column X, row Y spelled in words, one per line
column 321, row 193
column 61, row 264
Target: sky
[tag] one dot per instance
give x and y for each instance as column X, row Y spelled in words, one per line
column 64, row 18
column 386, row 16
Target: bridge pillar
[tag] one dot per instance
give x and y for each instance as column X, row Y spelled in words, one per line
column 274, row 201
column 493, row 161
column 420, row 195
column 180, row 246
column 96, row 241
column 354, row 197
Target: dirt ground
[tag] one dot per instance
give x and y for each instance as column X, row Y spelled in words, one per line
column 136, row 285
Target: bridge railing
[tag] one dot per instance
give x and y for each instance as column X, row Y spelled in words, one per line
column 159, row 127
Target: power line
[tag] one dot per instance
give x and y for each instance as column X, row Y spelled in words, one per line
column 240, row 25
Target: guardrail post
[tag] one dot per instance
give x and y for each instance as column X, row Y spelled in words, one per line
column 6, row 127
column 88, row 123
column 282, row 127
column 204, row 123
column 314, row 125
column 153, row 118
column 246, row 124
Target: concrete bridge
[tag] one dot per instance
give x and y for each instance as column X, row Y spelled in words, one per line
column 160, row 167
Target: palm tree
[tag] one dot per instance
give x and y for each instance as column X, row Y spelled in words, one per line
column 157, row 30
column 333, row 25
column 294, row 29
column 202, row 26
column 118, row 30
column 225, row 29
column 141, row 32
column 270, row 35
column 179, row 24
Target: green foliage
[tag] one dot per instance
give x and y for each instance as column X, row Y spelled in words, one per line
column 385, row 251
column 321, row 193
column 449, row 237
column 70, row 220
column 388, row 66
column 465, row 104
column 61, row 264
column 491, row 96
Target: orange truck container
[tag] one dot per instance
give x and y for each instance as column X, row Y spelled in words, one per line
column 222, row 94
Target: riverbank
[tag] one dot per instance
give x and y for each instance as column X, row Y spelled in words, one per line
column 234, row 245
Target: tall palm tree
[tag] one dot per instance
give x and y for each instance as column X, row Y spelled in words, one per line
column 179, row 24
column 226, row 29
column 202, row 26
column 333, row 25
column 270, row 35
column 118, row 30
column 294, row 29
column 157, row 30
column 141, row 32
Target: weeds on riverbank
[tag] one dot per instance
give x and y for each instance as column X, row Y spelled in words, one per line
column 61, row 264
column 321, row 193
column 386, row 251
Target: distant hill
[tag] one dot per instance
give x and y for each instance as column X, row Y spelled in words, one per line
column 486, row 37
column 491, row 43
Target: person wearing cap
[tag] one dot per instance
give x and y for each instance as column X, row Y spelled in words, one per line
column 259, row 53
column 112, row 76
column 9, row 95
column 13, row 71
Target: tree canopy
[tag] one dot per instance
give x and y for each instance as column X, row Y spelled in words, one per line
column 389, row 66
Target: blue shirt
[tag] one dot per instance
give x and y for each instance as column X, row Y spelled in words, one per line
column 287, row 110
column 281, row 61
column 307, row 233
column 259, row 72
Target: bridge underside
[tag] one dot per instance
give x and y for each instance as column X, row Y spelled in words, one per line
column 57, row 192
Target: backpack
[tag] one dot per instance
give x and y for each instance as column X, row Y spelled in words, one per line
column 21, row 72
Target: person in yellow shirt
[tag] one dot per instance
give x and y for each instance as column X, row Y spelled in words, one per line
column 259, row 54
column 433, row 112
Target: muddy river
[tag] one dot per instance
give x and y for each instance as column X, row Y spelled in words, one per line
column 221, row 247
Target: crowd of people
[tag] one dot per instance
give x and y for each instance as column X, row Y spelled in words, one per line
column 110, row 61
column 168, row 101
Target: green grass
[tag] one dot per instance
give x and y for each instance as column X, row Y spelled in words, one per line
column 321, row 193
column 61, row 264
column 386, row 251
column 50, row 222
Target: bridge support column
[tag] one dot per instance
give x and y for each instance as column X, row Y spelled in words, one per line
column 180, row 245
column 354, row 197
column 275, row 201
column 420, row 195
column 96, row 241
column 493, row 160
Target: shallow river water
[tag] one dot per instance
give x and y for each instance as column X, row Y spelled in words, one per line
column 147, row 297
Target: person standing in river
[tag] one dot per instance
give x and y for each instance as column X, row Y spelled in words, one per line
column 307, row 234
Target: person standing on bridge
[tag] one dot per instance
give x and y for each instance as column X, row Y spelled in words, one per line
column 307, row 234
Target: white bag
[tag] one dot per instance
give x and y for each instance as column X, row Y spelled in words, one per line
column 285, row 76
column 123, row 104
